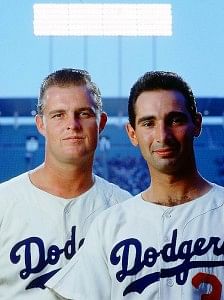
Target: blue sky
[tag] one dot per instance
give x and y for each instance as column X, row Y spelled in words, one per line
column 195, row 51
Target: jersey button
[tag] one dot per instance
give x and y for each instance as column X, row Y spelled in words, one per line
column 66, row 211
column 167, row 214
column 170, row 282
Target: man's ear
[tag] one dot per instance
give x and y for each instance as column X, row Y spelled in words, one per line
column 197, row 124
column 103, row 121
column 131, row 134
column 40, row 124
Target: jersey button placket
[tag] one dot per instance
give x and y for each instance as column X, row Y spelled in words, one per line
column 167, row 214
column 166, row 283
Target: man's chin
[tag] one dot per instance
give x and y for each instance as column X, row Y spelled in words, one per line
column 168, row 166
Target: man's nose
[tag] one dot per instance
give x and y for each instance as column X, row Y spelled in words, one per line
column 162, row 132
column 74, row 122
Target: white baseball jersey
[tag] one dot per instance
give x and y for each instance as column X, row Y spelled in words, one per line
column 140, row 250
column 39, row 233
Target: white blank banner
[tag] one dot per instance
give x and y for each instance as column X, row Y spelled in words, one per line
column 102, row 19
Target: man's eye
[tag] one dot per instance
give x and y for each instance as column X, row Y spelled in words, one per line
column 86, row 114
column 56, row 116
column 178, row 120
column 147, row 124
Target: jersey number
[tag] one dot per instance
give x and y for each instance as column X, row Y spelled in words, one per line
column 213, row 281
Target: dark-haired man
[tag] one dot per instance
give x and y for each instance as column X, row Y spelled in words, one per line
column 167, row 242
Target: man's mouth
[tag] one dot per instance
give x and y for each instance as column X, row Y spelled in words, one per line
column 73, row 138
column 165, row 152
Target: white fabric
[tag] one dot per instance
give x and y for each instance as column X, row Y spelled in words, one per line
column 139, row 250
column 39, row 233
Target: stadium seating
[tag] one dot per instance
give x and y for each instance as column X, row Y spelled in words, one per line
column 119, row 162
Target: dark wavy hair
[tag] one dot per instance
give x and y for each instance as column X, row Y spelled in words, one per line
column 160, row 80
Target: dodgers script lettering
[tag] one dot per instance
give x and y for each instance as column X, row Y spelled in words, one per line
column 24, row 251
column 169, row 253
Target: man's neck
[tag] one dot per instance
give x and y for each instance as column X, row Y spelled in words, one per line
column 170, row 191
column 67, row 183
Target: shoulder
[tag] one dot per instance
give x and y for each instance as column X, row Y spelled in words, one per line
column 218, row 188
column 11, row 185
column 111, row 191
column 119, row 211
column 210, row 202
column 109, row 224
column 9, row 191
column 218, row 193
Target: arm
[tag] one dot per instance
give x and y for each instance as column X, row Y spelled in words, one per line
column 86, row 276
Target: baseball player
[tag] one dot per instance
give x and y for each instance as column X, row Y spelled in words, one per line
column 167, row 243
column 45, row 213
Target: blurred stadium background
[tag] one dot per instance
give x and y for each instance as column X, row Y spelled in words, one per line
column 22, row 148
column 194, row 50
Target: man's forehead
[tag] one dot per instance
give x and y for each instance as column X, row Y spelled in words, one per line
column 161, row 99
column 68, row 100
column 66, row 94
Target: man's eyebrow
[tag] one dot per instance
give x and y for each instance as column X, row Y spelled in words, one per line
column 169, row 115
column 62, row 110
column 55, row 111
column 91, row 110
column 177, row 114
